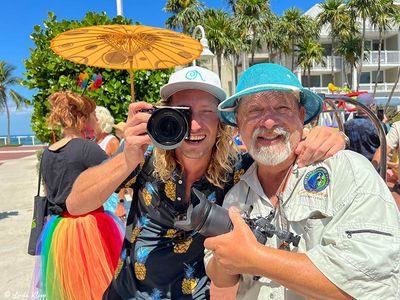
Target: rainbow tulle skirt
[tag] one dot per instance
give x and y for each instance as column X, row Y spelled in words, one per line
column 78, row 256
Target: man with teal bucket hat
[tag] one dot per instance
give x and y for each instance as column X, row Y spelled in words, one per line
column 333, row 229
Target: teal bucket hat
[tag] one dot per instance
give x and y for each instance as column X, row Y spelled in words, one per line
column 269, row 77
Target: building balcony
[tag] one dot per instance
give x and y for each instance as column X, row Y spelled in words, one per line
column 381, row 87
column 326, row 65
column 385, row 87
column 388, row 57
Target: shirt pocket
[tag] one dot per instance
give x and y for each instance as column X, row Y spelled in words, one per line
column 313, row 231
column 372, row 248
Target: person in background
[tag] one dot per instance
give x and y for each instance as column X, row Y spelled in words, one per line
column 159, row 261
column 123, row 205
column 336, row 226
column 108, row 142
column 238, row 141
column 78, row 254
column 119, row 131
column 392, row 148
column 363, row 135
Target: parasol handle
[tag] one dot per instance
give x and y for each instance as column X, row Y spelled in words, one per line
column 132, row 85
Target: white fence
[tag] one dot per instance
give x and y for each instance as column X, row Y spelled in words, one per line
column 21, row 140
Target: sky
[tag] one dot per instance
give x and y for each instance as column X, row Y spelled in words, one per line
column 19, row 16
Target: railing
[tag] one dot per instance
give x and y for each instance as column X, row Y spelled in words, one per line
column 323, row 90
column 21, row 140
column 387, row 57
column 326, row 65
column 381, row 87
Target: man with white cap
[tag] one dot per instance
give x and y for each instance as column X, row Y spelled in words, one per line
column 332, row 229
column 159, row 261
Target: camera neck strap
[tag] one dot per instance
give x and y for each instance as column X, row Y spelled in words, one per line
column 277, row 207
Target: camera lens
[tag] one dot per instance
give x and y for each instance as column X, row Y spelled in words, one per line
column 167, row 127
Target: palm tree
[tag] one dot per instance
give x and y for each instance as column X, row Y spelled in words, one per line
column 332, row 11
column 297, row 26
column 7, row 80
column 186, row 14
column 365, row 9
column 218, row 26
column 310, row 52
column 349, row 48
column 396, row 21
column 382, row 19
column 256, row 17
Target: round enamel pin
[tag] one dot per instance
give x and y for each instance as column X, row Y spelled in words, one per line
column 316, row 180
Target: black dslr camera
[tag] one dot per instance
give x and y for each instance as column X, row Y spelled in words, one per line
column 210, row 219
column 169, row 126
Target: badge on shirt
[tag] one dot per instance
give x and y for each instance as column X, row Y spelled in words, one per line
column 316, row 180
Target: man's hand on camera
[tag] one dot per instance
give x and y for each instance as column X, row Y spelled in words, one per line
column 135, row 134
column 234, row 251
column 321, row 143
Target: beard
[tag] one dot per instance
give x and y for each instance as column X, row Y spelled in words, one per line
column 274, row 154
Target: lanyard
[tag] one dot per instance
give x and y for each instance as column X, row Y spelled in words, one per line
column 279, row 194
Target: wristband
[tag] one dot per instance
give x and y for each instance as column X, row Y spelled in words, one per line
column 346, row 139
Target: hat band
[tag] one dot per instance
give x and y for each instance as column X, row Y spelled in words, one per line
column 285, row 86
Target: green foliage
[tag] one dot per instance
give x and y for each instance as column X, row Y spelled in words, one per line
column 47, row 73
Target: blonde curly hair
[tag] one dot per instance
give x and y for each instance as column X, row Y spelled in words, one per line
column 104, row 119
column 70, row 110
column 223, row 158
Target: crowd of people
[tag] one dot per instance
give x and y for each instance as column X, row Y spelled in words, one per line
column 331, row 226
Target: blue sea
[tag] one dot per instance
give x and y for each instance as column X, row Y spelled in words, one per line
column 22, row 139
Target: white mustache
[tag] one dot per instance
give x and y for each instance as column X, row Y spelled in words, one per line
column 276, row 131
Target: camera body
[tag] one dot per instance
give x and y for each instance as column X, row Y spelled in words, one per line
column 210, row 219
column 168, row 126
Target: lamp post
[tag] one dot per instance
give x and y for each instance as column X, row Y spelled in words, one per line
column 119, row 8
column 206, row 53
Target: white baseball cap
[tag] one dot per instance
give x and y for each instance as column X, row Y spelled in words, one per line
column 193, row 78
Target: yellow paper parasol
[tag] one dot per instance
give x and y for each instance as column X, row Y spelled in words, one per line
column 130, row 47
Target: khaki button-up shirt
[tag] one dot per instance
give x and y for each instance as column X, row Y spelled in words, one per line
column 348, row 222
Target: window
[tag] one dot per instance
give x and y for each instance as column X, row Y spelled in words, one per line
column 380, row 78
column 326, row 79
column 327, row 49
column 375, row 45
column 365, row 77
column 315, row 81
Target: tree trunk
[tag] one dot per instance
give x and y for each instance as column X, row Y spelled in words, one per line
column 393, row 89
column 8, row 122
column 333, row 60
column 309, row 77
column 219, row 56
column 378, row 71
column 236, row 57
column 345, row 74
column 292, row 54
column 362, row 55
column 253, row 48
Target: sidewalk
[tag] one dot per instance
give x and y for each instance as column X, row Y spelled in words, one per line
column 18, row 184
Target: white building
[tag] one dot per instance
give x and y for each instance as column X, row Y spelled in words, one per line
column 390, row 61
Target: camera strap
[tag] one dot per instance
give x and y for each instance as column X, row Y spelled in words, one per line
column 279, row 195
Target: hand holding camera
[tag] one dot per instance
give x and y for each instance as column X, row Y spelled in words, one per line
column 210, row 219
column 135, row 137
column 168, row 126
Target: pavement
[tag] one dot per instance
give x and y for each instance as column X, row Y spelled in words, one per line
column 18, row 186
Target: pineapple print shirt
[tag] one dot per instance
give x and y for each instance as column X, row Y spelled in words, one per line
column 159, row 261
